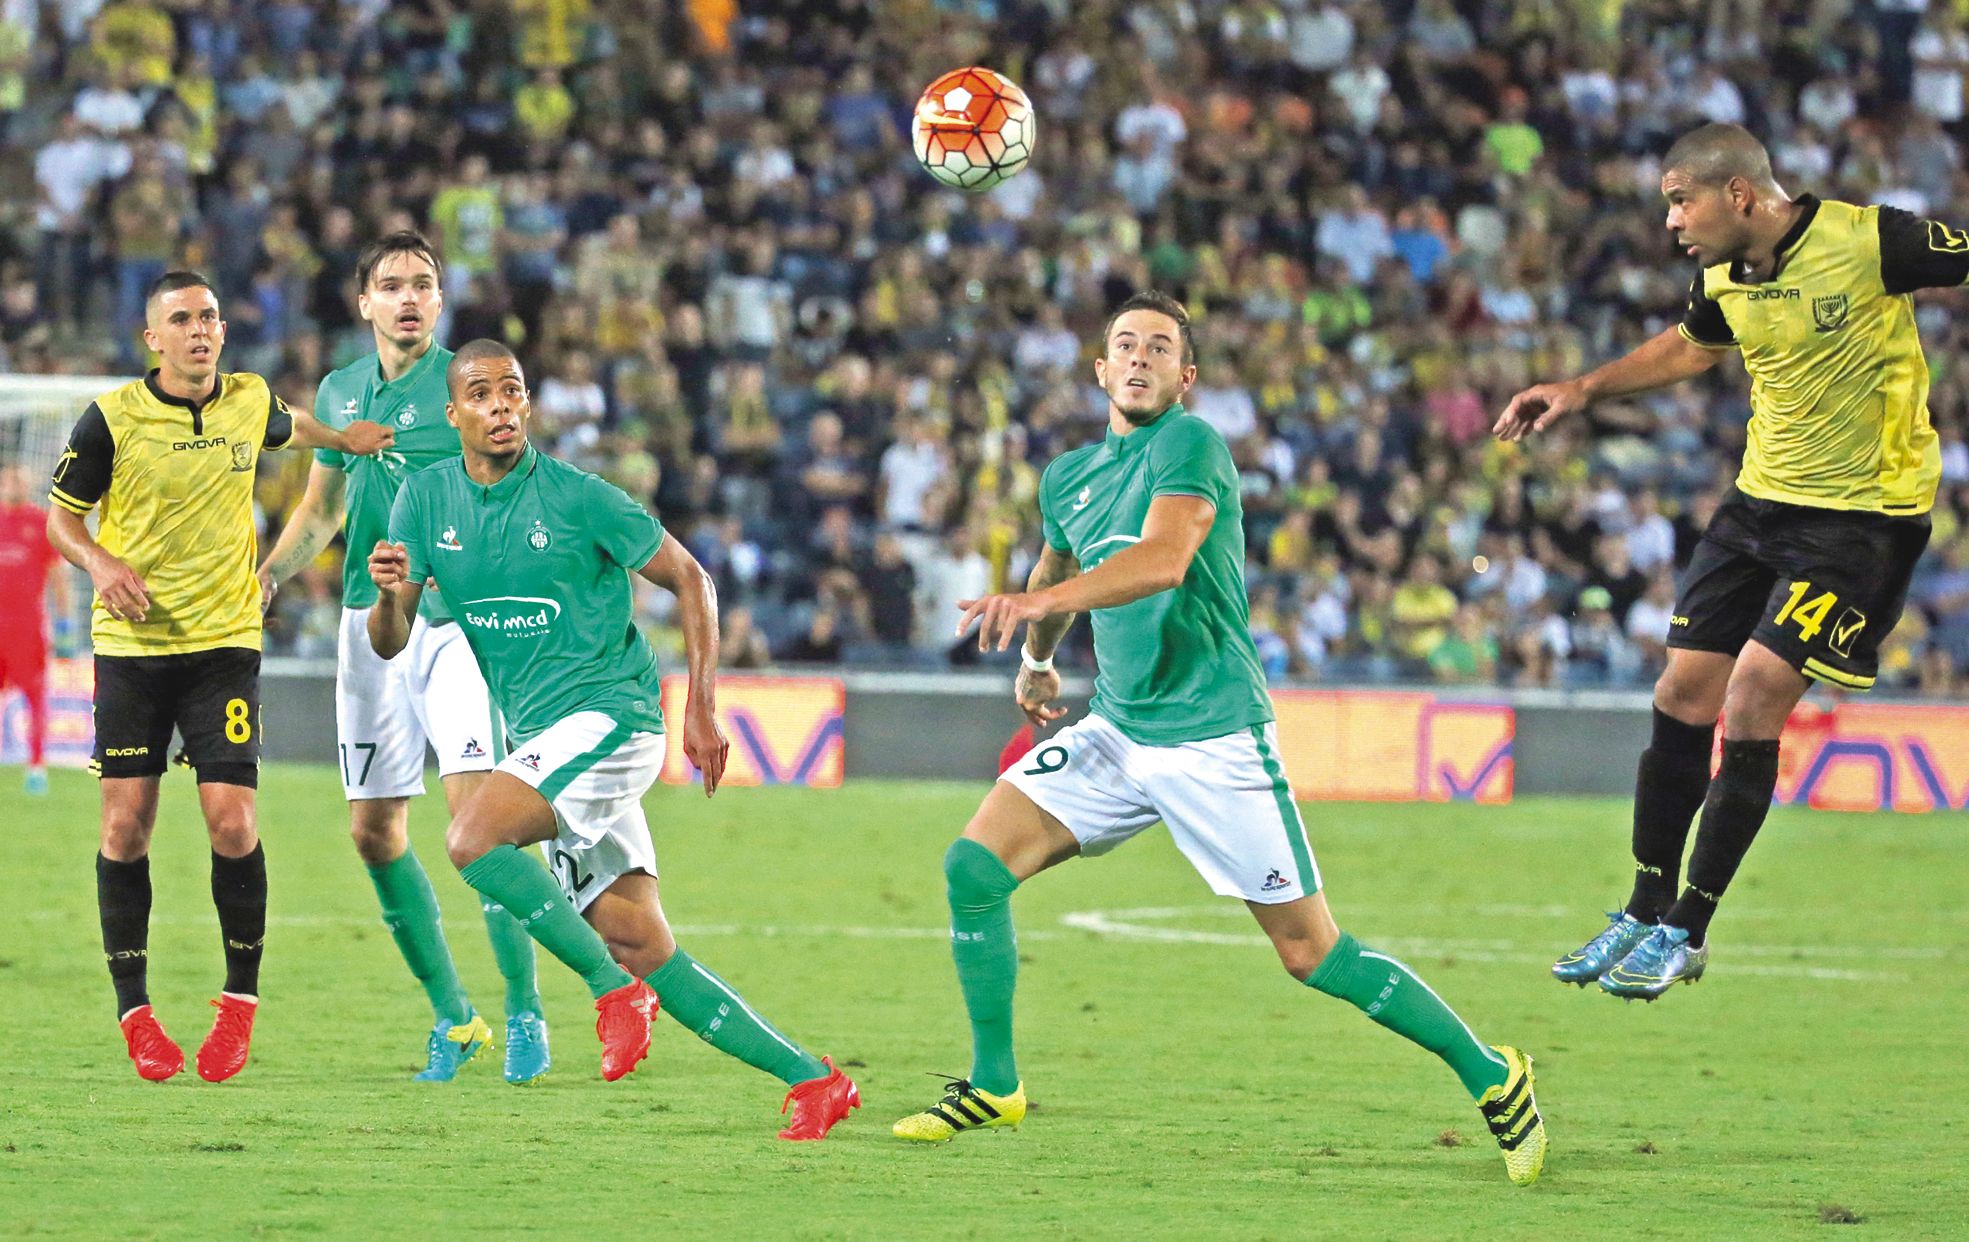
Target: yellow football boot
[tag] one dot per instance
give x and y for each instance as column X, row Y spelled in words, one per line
column 1512, row 1115
column 963, row 1107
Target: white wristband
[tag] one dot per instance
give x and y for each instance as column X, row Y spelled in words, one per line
column 1037, row 666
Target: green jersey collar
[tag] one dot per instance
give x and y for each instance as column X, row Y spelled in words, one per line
column 1136, row 440
column 415, row 373
column 515, row 478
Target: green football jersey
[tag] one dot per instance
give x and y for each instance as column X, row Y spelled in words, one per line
column 536, row 569
column 1179, row 665
column 412, row 405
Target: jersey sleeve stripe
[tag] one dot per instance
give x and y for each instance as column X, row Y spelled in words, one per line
column 68, row 502
column 1693, row 339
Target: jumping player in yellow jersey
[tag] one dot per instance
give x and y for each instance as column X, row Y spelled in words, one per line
column 1804, row 568
column 1144, row 531
column 171, row 459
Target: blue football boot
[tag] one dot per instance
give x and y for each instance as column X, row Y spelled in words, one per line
column 526, row 1047
column 1661, row 961
column 1600, row 954
column 451, row 1045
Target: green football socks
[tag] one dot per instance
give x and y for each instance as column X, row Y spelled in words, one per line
column 707, row 1005
column 1391, row 994
column 507, row 876
column 410, row 911
column 512, row 948
column 987, row 953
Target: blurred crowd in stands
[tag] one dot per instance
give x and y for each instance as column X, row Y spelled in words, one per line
column 738, row 298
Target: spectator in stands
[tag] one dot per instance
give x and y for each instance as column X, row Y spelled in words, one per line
column 1468, row 653
column 1381, row 220
column 955, row 571
column 889, row 582
column 741, row 645
column 1420, row 613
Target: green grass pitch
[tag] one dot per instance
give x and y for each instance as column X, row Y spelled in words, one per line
column 1184, row 1087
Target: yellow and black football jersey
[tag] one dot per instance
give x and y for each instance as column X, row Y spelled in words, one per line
column 175, row 481
column 1838, row 383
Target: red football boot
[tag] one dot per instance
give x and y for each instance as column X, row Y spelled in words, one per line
column 622, row 1022
column 223, row 1053
column 818, row 1104
column 156, row 1056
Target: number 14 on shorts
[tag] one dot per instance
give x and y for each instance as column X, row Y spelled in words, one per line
column 1810, row 616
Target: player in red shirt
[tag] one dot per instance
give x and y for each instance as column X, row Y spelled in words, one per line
column 25, row 561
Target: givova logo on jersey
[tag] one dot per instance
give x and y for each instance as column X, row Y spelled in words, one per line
column 515, row 616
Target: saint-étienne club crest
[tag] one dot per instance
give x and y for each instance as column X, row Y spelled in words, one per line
column 538, row 538
column 1829, row 311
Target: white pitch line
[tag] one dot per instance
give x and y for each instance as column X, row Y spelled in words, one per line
column 1137, row 925
column 1228, row 910
column 1503, row 951
column 769, row 930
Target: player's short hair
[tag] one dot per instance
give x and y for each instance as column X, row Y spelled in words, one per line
column 1161, row 303
column 472, row 351
column 172, row 281
column 1714, row 154
column 403, row 241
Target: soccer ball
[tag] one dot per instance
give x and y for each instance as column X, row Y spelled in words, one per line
column 973, row 128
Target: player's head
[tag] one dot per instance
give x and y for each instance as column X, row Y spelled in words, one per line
column 400, row 287
column 1148, row 357
column 1714, row 179
column 489, row 403
column 181, row 322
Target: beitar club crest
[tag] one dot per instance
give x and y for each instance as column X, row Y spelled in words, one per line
column 1829, row 312
column 242, row 457
column 539, row 538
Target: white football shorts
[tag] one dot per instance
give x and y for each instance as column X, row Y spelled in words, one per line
column 386, row 711
column 1225, row 799
column 594, row 772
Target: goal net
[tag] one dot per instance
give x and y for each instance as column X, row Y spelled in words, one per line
column 36, row 414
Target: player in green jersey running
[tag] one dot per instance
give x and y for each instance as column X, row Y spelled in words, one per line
column 386, row 711
column 1144, row 530
column 534, row 557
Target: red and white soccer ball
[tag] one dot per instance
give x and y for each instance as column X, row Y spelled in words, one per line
column 973, row 128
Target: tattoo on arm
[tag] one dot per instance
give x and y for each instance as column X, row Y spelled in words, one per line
column 1054, row 567
column 313, row 525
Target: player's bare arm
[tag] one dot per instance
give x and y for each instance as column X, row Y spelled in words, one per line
column 1667, row 358
column 675, row 570
column 309, row 529
column 1038, row 689
column 1171, row 533
column 396, row 599
column 359, row 439
column 122, row 591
